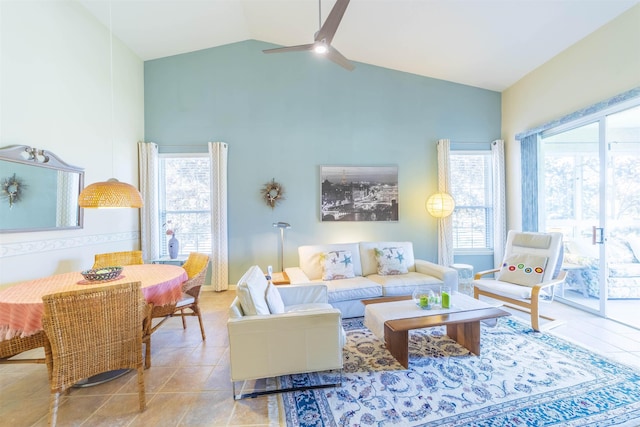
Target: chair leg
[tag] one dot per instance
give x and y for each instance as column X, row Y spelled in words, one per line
column 184, row 324
column 53, row 408
column 141, row 391
column 196, row 310
column 535, row 317
column 147, row 353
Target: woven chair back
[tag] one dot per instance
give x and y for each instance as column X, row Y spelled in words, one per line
column 196, row 267
column 111, row 259
column 91, row 331
column 196, row 263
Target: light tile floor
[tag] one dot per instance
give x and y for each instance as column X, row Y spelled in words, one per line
column 189, row 383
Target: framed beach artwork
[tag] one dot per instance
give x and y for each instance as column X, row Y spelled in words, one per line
column 359, row 193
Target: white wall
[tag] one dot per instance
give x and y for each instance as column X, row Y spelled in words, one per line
column 55, row 95
column 604, row 64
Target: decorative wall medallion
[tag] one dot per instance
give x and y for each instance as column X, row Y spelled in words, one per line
column 12, row 189
column 272, row 193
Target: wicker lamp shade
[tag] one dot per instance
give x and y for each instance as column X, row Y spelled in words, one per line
column 110, row 194
column 440, row 205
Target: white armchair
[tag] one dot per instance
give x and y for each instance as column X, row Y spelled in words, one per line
column 282, row 330
column 530, row 270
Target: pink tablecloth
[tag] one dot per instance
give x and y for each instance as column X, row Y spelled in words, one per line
column 21, row 305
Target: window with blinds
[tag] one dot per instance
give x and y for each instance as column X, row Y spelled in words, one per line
column 185, row 206
column 472, row 190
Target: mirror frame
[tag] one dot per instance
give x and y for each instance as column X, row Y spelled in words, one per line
column 26, row 155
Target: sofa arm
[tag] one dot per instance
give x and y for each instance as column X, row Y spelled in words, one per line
column 448, row 275
column 296, row 275
column 281, row 344
column 309, row 293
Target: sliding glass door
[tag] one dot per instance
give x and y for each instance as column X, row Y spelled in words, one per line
column 590, row 191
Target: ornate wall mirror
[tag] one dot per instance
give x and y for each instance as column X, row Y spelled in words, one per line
column 38, row 191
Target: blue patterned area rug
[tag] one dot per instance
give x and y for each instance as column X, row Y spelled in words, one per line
column 522, row 378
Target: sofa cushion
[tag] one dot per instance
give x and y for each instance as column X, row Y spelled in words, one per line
column 368, row 255
column 523, row 269
column 391, row 261
column 337, row 265
column 274, row 300
column 251, row 291
column 297, row 308
column 310, row 258
column 627, row 269
column 356, row 288
column 405, row 284
column 508, row 289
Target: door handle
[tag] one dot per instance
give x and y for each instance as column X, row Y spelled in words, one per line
column 597, row 236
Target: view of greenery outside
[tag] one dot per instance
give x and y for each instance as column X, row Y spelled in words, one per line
column 185, row 203
column 571, row 188
column 590, row 179
column 472, row 190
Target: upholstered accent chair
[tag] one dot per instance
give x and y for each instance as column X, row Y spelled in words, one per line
column 530, row 269
column 117, row 259
column 282, row 330
column 91, row 331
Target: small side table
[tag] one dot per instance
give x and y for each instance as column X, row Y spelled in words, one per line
column 575, row 270
column 280, row 278
column 465, row 278
column 181, row 259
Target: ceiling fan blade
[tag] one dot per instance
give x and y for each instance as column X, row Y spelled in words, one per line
column 328, row 29
column 337, row 57
column 298, row 48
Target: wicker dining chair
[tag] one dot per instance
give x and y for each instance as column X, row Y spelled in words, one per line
column 196, row 267
column 17, row 345
column 91, row 331
column 111, row 259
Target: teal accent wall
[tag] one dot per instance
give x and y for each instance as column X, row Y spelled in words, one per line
column 285, row 115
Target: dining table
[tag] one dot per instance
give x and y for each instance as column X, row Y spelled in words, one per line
column 21, row 305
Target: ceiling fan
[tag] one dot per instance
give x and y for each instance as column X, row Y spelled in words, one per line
column 322, row 40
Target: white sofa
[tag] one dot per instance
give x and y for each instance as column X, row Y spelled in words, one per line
column 346, row 293
column 300, row 333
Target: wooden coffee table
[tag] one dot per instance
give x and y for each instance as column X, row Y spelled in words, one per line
column 399, row 315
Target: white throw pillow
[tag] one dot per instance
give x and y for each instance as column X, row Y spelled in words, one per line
column 274, row 300
column 337, row 265
column 391, row 261
column 251, row 291
column 523, row 269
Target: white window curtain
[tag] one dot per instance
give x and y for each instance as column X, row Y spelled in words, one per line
column 219, row 233
column 149, row 181
column 445, row 225
column 529, row 171
column 499, row 202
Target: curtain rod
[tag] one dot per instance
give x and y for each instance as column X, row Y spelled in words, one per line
column 592, row 109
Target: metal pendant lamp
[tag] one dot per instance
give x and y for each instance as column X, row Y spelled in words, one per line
column 111, row 193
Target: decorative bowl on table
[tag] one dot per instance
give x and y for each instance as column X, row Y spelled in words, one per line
column 102, row 274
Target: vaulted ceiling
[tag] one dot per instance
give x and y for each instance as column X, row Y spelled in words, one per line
column 489, row 44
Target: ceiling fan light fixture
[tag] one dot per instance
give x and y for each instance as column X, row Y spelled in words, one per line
column 320, row 48
column 323, row 38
